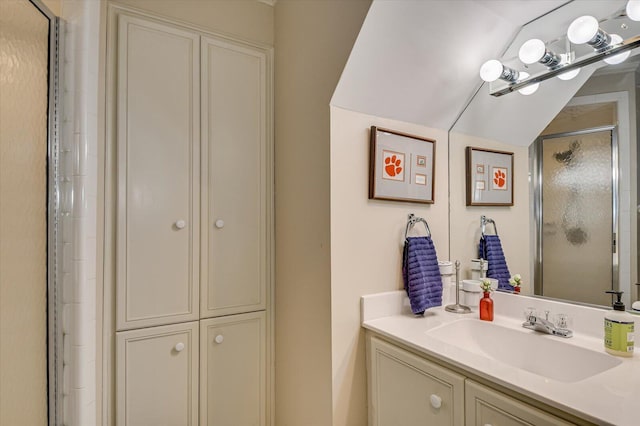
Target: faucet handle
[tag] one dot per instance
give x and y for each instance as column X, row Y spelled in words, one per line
column 528, row 312
column 562, row 321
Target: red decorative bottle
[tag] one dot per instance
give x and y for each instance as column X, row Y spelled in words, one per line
column 486, row 307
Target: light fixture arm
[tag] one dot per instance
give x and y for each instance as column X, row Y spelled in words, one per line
column 550, row 59
column 601, row 40
column 509, row 74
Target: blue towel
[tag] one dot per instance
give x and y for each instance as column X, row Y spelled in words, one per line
column 421, row 274
column 490, row 249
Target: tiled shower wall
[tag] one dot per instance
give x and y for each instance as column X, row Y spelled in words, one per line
column 78, row 171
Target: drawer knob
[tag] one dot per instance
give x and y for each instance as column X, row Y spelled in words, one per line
column 179, row 347
column 180, row 224
column 219, row 223
column 436, row 401
column 219, row 338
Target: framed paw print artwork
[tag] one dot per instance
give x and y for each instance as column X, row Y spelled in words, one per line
column 401, row 166
column 489, row 176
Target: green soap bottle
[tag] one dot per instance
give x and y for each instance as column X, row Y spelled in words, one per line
column 618, row 329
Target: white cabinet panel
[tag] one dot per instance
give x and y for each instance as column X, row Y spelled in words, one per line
column 234, row 179
column 407, row 390
column 157, row 376
column 485, row 406
column 192, row 185
column 158, row 174
column 233, row 370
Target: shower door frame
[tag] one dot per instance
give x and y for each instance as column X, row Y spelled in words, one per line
column 54, row 239
column 536, row 181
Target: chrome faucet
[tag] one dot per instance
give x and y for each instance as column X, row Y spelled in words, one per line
column 534, row 322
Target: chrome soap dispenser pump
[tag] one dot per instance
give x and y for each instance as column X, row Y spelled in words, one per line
column 618, row 329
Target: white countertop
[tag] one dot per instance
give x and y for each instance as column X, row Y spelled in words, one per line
column 611, row 397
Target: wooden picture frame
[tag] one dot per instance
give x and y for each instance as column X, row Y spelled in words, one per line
column 401, row 166
column 489, row 177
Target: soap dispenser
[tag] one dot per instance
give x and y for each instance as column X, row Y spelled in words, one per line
column 618, row 329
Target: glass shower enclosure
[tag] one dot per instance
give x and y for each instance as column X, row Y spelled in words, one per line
column 575, row 185
column 30, row 330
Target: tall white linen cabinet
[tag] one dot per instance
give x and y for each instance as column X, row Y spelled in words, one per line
column 189, row 225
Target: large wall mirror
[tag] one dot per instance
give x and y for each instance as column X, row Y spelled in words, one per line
column 572, row 232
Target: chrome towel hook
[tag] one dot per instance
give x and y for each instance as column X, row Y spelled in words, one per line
column 412, row 220
column 483, row 223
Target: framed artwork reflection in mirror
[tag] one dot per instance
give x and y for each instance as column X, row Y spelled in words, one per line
column 489, row 177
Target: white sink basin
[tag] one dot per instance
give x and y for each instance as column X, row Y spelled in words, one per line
column 547, row 356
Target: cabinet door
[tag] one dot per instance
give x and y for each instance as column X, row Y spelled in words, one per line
column 407, row 390
column 235, row 179
column 233, row 370
column 485, row 406
column 158, row 174
column 157, row 376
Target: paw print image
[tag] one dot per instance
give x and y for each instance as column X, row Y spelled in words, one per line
column 393, row 166
column 499, row 178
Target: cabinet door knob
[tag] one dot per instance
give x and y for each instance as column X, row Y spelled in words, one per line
column 181, row 224
column 436, row 401
column 219, row 223
column 179, row 347
column 219, row 338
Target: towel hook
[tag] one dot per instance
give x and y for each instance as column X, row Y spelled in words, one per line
column 483, row 223
column 412, row 220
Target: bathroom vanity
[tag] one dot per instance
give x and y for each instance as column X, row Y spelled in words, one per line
column 454, row 369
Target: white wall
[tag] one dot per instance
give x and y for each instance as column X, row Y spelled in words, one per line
column 313, row 40
column 512, row 222
column 366, row 246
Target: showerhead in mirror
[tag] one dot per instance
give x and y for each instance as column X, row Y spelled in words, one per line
column 566, row 157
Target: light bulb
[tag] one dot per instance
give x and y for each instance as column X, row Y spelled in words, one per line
column 491, row 70
column 620, row 57
column 582, row 29
column 528, row 90
column 568, row 75
column 633, row 10
column 532, row 51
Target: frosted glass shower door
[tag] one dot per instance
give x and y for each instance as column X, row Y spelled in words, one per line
column 577, row 216
column 24, row 50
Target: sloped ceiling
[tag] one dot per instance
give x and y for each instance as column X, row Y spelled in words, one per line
column 418, row 61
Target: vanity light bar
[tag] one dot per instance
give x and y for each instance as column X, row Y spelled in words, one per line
column 625, row 46
column 584, row 30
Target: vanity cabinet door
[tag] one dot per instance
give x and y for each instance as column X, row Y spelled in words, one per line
column 235, row 179
column 158, row 174
column 233, row 370
column 157, row 376
column 407, row 390
column 486, row 407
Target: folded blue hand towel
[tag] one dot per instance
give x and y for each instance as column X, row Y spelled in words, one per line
column 490, row 249
column 421, row 274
